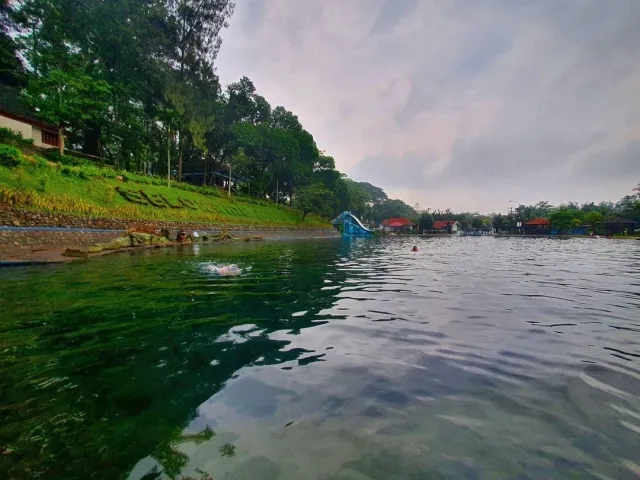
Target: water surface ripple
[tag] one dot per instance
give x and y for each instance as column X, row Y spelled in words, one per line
column 473, row 358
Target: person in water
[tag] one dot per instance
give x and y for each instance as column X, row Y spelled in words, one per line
column 414, row 249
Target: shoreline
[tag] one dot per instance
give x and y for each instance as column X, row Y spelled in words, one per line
column 28, row 245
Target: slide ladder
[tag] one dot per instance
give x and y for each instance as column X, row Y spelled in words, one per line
column 352, row 226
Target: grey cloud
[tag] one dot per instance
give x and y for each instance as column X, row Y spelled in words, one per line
column 413, row 95
column 622, row 164
column 252, row 15
column 391, row 13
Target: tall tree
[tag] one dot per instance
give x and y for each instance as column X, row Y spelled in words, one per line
column 196, row 25
column 60, row 96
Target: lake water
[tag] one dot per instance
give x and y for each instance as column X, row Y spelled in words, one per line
column 330, row 359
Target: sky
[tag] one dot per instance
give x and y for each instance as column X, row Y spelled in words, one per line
column 461, row 104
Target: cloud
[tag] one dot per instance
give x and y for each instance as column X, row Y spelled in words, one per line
column 455, row 103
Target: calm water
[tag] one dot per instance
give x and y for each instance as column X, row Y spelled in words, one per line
column 474, row 358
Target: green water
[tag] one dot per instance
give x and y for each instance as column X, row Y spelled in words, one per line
column 474, row 358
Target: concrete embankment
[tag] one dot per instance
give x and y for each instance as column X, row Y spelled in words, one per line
column 39, row 236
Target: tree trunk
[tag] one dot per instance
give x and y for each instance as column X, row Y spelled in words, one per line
column 91, row 144
column 61, row 141
column 180, row 145
column 169, row 157
column 204, row 178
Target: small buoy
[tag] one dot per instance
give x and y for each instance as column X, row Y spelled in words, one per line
column 414, row 249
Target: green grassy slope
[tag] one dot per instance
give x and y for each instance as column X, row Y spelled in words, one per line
column 88, row 190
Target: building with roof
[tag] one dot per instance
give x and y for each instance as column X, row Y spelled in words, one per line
column 43, row 135
column 620, row 225
column 447, row 226
column 396, row 224
column 537, row 226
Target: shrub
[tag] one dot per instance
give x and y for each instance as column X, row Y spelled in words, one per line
column 9, row 136
column 14, row 138
column 54, row 156
column 44, row 180
column 10, row 156
column 41, row 162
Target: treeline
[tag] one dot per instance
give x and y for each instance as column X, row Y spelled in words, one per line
column 562, row 216
column 134, row 83
column 572, row 214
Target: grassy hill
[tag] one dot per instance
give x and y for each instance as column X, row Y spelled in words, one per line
column 30, row 181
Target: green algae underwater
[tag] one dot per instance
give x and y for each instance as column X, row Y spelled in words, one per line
column 103, row 362
column 325, row 359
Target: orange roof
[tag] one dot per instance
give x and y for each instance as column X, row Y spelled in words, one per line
column 397, row 222
column 538, row 221
column 443, row 224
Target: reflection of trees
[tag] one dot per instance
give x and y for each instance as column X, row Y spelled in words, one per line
column 168, row 455
column 108, row 360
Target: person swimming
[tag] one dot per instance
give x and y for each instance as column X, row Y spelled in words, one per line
column 414, row 249
column 224, row 271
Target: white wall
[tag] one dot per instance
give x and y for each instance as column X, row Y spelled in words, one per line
column 37, row 138
column 17, row 126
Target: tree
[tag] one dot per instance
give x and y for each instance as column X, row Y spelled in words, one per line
column 595, row 220
column 391, row 208
column 11, row 69
column 562, row 220
column 72, row 98
column 376, row 195
column 477, row 223
column 426, row 222
column 197, row 25
column 314, row 199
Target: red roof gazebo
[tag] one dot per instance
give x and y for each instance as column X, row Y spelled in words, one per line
column 537, row 226
column 397, row 223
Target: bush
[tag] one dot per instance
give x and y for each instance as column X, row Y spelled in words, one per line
column 10, row 156
column 41, row 162
column 9, row 136
column 44, row 180
column 54, row 156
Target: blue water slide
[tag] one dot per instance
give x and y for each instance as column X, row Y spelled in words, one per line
column 352, row 226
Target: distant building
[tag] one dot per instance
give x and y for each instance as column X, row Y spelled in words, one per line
column 396, row 224
column 620, row 225
column 43, row 135
column 537, row 226
column 447, row 226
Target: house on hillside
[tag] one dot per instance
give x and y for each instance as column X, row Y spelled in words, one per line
column 447, row 226
column 537, row 226
column 43, row 135
column 396, row 224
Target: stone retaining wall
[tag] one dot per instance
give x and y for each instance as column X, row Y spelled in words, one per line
column 13, row 241
column 18, row 217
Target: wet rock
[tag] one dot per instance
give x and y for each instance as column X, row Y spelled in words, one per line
column 71, row 252
column 140, row 239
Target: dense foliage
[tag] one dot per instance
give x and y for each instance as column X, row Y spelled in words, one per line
column 565, row 216
column 135, row 84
